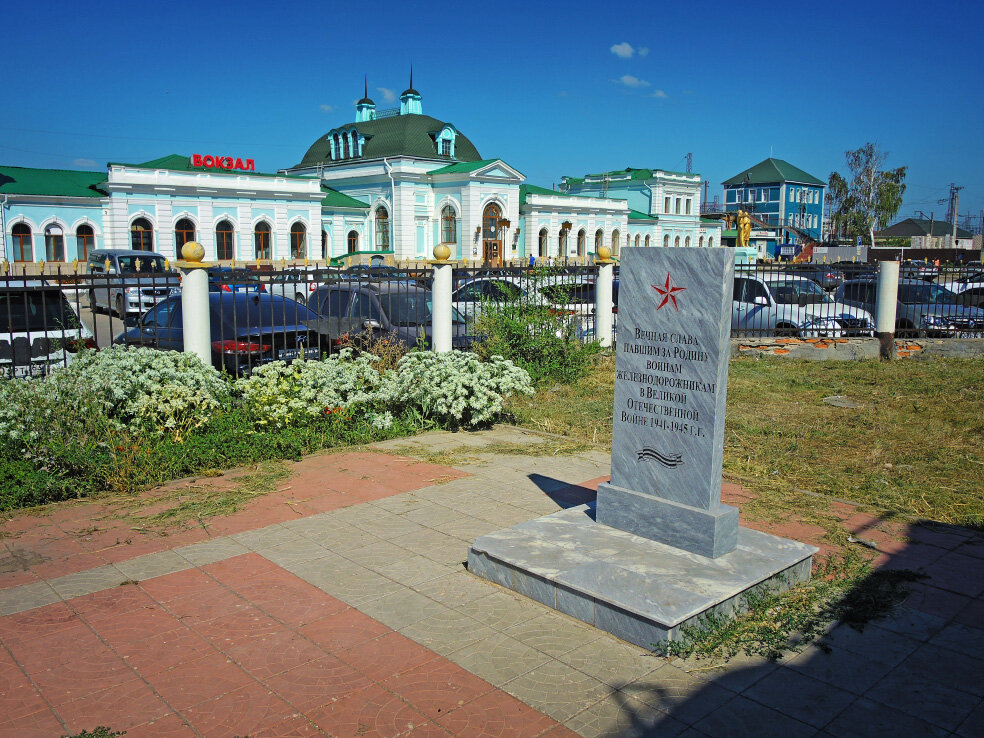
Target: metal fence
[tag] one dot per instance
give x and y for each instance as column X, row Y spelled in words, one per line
column 261, row 315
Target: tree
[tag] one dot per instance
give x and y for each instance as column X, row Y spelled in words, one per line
column 869, row 197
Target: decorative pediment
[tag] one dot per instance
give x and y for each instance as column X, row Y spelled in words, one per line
column 499, row 170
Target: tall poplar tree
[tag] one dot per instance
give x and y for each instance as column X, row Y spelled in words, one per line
column 868, row 197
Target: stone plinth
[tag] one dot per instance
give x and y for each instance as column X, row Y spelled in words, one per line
column 638, row 589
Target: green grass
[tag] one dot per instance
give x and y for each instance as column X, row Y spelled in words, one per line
column 912, row 448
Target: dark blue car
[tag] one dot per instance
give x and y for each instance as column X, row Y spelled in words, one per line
column 249, row 329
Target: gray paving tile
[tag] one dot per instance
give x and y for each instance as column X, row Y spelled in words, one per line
column 738, row 674
column 412, row 570
column 431, row 515
column 501, row 609
column 421, row 541
column 913, row 693
column 498, row 658
column 447, row 632
column 342, row 538
column 912, row 623
column 153, row 565
column 868, row 719
column 557, row 689
column 399, row 504
column 796, row 695
column 960, row 638
column 468, row 529
column 27, row 597
column 296, row 551
column 619, row 716
column 553, row 634
column 612, row 661
column 271, row 535
column 208, row 552
column 402, row 608
column 456, row 588
column 87, row 582
column 973, row 726
column 741, row 717
column 963, row 671
column 873, row 641
column 377, row 553
column 679, row 694
column 844, row 669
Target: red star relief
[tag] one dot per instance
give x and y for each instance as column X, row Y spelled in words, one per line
column 668, row 291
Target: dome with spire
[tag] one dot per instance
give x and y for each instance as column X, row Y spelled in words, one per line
column 365, row 94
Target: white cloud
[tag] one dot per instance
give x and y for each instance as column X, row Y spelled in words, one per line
column 388, row 95
column 623, row 50
column 658, row 93
column 328, row 108
column 84, row 163
column 644, row 51
column 632, row 81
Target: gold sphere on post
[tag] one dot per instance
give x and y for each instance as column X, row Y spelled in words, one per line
column 442, row 252
column 604, row 253
column 193, row 251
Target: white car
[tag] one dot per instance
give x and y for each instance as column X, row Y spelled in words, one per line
column 965, row 282
column 298, row 283
column 780, row 304
column 39, row 329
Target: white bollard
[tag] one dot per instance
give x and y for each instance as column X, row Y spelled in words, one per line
column 886, row 303
column 194, row 302
column 441, row 300
column 603, row 296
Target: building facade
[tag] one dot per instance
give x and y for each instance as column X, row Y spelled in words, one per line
column 395, row 182
column 780, row 195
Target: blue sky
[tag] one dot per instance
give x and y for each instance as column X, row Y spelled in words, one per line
column 551, row 88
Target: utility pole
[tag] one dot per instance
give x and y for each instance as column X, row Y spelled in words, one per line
column 932, row 221
column 955, row 200
column 690, row 163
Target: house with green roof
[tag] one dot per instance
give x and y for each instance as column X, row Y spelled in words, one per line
column 782, row 196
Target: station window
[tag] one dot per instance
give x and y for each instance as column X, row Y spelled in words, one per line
column 298, row 241
column 449, row 225
column 616, row 242
column 23, row 242
column 261, row 240
column 353, row 241
column 54, row 243
column 542, row 243
column 599, row 239
column 184, row 231
column 581, row 238
column 142, row 235
column 382, row 229
column 224, row 240
column 85, row 239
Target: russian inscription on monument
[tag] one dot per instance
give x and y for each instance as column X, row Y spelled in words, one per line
column 671, row 373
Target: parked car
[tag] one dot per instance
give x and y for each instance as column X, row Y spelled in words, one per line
column 401, row 310
column 918, row 269
column 823, row 274
column 39, row 329
column 923, row 308
column 129, row 282
column 228, row 279
column 974, row 297
column 855, row 269
column 299, row 282
column 779, row 304
column 966, row 281
column 248, row 329
column 563, row 295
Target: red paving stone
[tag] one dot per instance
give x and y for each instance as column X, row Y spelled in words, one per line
column 141, row 658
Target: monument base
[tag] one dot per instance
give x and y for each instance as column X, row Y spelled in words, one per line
column 706, row 532
column 637, row 589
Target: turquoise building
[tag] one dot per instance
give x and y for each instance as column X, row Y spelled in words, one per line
column 396, row 182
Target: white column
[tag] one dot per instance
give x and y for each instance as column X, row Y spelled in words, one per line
column 886, row 302
column 603, row 304
column 441, row 316
column 195, row 312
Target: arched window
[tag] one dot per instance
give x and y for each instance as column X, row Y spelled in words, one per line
column 85, row 239
column 581, row 238
column 23, row 242
column 676, row 242
column 324, row 243
column 224, row 240
column 298, row 241
column 647, row 241
column 382, row 229
column 261, row 240
column 54, row 243
column 542, row 248
column 710, row 241
column 666, row 240
column 345, row 146
column 616, row 242
column 638, row 240
column 449, row 225
column 353, row 241
column 184, row 231
column 686, row 242
column 562, row 241
column 142, row 235
column 700, row 242
column 599, row 239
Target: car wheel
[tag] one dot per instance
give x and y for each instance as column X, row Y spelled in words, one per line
column 119, row 307
column 786, row 331
column 300, row 298
column 92, row 302
column 905, row 329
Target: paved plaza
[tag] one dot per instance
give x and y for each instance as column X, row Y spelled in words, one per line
column 339, row 605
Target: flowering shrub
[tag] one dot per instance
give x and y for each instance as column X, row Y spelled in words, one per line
column 455, row 388
column 136, row 389
column 281, row 395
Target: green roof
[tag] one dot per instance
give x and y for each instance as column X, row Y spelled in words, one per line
column 336, row 199
column 51, row 182
column 399, row 135
column 528, row 189
column 920, row 227
column 632, row 173
column 711, row 221
column 462, row 166
column 773, row 171
column 637, row 215
column 179, row 163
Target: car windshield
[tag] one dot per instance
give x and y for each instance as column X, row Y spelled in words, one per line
column 797, row 292
column 149, row 263
column 256, row 312
column 42, row 310
column 925, row 293
column 411, row 308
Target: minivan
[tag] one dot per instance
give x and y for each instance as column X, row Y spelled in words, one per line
column 129, row 282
